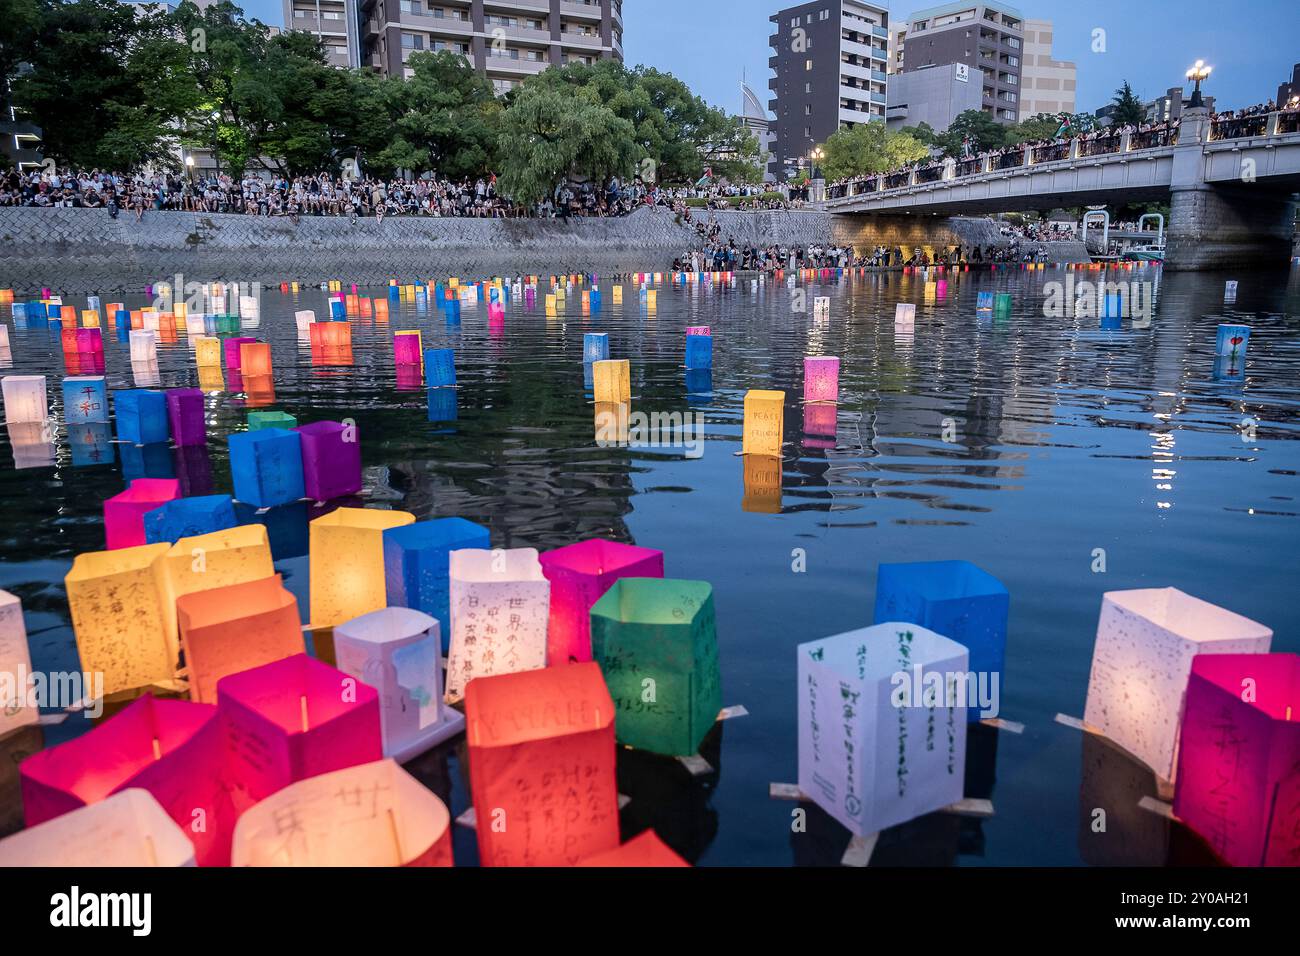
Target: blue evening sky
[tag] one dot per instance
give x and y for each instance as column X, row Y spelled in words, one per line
column 1252, row 44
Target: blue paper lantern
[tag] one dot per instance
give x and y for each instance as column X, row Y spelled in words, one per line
column 595, row 347
column 141, row 416
column 122, row 319
column 338, row 311
column 984, row 302
column 1112, row 306
column 439, row 367
column 85, row 399
column 699, row 351
column 19, row 310
column 394, row 293
column 266, row 466
column 416, row 561
column 187, row 517
column 953, row 598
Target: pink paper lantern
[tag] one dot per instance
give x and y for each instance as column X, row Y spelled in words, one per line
column 1239, row 757
column 698, row 330
column 172, row 748
column 580, row 574
column 821, row 378
column 293, row 719
column 124, row 512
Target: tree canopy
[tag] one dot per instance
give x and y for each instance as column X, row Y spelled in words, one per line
column 870, row 148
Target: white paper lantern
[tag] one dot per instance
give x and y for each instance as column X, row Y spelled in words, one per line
column 127, row 829
column 904, row 315
column 500, row 602
column 25, row 399
column 194, row 323
column 882, row 729
column 151, row 320
column 4, row 337
column 144, row 345
column 398, row 652
column 1141, row 662
column 304, row 318
column 15, row 666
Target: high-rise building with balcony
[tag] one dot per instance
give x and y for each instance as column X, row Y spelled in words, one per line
column 1046, row 85
column 336, row 23
column 829, row 59
column 983, row 35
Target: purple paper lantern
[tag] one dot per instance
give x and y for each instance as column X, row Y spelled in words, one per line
column 331, row 460
column 185, row 413
column 821, row 378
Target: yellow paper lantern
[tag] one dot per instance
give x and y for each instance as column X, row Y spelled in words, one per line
column 612, row 380
column 618, row 295
column 764, row 422
column 347, row 563
column 215, row 560
column 207, row 352
column 116, row 599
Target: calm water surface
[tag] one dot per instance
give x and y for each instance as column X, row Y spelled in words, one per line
column 1069, row 438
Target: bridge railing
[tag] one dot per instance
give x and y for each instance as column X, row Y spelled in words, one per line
column 931, row 174
column 1050, row 154
column 895, row 180
column 1010, row 160
column 1153, row 138
column 1100, row 146
column 968, row 167
column 1288, row 122
column 1239, row 127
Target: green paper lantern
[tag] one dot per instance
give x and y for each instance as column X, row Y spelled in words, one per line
column 656, row 642
column 259, row 420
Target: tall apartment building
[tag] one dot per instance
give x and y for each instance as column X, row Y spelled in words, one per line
column 1046, row 85
column 830, row 58
column 983, row 35
column 507, row 40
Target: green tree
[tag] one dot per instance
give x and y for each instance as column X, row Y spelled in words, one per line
column 19, row 28
column 1128, row 107
column 870, row 148
column 982, row 130
column 1042, row 126
column 548, row 134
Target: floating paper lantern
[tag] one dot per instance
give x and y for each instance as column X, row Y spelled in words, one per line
column 580, row 574
column 124, row 512
column 821, row 378
column 953, row 598
column 417, row 560
column 764, row 422
column 259, row 420
column 128, row 829
column 662, row 631
column 882, row 729
column 207, row 352
column 293, row 719
column 440, row 367
column 85, row 399
column 407, row 349
column 612, row 381
column 226, row 630
column 398, row 651
column 186, row 517
column 15, row 660
column 144, row 345
column 266, row 466
column 1239, row 757
column 331, row 460
column 1232, row 341
column 640, row 852
column 195, row 324
column 1146, row 640
column 233, row 349
column 25, row 399
column 213, row 560
column 905, row 315
column 347, row 563
column 173, row 749
column 499, row 609
column 374, row 814
column 541, row 749
column 90, row 341
column 595, row 346
column 984, row 302
column 185, row 414
column 255, row 359
column 699, row 351
column 141, row 416
column 304, row 319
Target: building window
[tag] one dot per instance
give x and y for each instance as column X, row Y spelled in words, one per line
column 412, row 6
column 412, row 41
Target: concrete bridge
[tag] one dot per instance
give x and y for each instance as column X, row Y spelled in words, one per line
column 1231, row 185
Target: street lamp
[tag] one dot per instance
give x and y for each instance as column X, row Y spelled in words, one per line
column 189, row 165
column 817, row 154
column 1196, row 74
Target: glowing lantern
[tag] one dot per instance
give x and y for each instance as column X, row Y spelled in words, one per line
column 640, row 852
column 398, row 652
column 124, row 512
column 1231, row 341
column 952, row 598
column 144, row 345
column 662, row 631
column 128, row 829
column 226, row 630
column 406, row 348
column 612, row 381
column 580, row 574
column 85, row 399
column 25, row 400
column 259, row 420
column 1239, row 757
column 821, row 378
column 499, row 608
column 859, row 693
column 185, row 413
column 141, row 416
column 347, row 563
column 186, row 517
column 764, row 422
column 207, row 352
column 213, row 560
column 173, row 749
column 440, row 367
column 15, row 659
column 90, row 341
column 304, row 319
column 699, row 351
column 293, row 719
column 1146, row 640
column 595, row 346
column 255, row 359
column 266, row 466
column 195, row 324
column 417, row 560
column 541, row 749
column 331, row 460
column 905, row 316
column 233, row 348
column 403, row 824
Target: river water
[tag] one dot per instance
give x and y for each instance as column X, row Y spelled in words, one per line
column 1023, row 444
